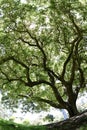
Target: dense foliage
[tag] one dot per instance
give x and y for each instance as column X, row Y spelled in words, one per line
column 43, row 53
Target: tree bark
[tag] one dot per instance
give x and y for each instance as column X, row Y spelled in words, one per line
column 72, row 110
column 73, row 123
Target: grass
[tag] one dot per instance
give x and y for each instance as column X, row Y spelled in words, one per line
column 84, row 127
column 8, row 125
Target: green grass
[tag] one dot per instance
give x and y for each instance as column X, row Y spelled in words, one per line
column 8, row 125
column 84, row 127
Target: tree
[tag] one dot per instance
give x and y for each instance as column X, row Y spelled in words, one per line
column 43, row 57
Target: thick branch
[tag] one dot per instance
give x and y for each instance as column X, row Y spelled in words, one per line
column 38, row 82
column 79, row 31
column 6, row 59
column 73, row 123
column 58, row 96
column 37, row 41
column 9, row 79
column 76, row 40
column 67, row 61
column 55, row 90
column 37, row 44
column 29, row 83
column 82, row 78
column 51, row 103
column 44, row 58
column 75, row 60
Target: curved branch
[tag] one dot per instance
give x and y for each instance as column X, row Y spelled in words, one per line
column 12, row 79
column 66, row 62
column 3, row 60
column 29, row 82
column 38, row 82
column 48, row 70
column 76, row 40
column 51, row 103
column 79, row 31
column 82, row 78
column 37, row 41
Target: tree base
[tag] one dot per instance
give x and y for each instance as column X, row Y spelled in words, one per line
column 73, row 123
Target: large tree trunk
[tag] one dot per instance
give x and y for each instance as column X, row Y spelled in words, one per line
column 72, row 110
column 70, row 124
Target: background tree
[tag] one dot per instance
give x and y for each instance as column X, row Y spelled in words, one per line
column 43, row 53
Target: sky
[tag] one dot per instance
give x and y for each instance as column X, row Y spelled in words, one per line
column 23, row 1
column 35, row 118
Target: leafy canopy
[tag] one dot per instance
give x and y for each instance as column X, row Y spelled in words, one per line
column 43, row 53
